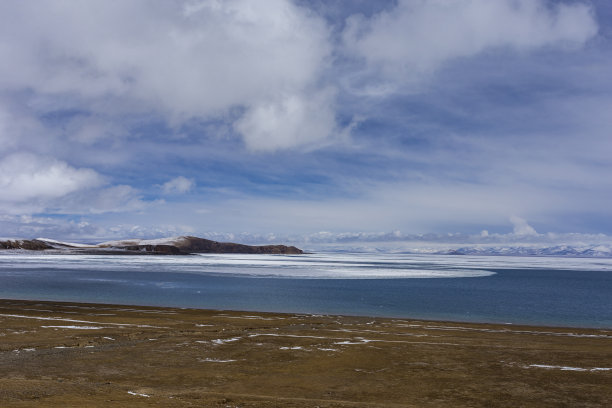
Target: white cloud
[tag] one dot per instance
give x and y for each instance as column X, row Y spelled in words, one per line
column 294, row 120
column 27, row 178
column 78, row 79
column 180, row 59
column 31, row 183
column 521, row 227
column 414, row 38
column 178, row 185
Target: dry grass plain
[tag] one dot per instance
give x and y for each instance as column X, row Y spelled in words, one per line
column 86, row 355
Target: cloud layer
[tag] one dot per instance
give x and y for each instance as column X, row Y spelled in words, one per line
column 291, row 117
column 182, row 60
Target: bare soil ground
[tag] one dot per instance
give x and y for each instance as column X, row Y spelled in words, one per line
column 86, row 355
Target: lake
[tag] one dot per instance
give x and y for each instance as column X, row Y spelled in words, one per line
column 515, row 290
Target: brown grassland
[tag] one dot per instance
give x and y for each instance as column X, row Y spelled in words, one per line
column 89, row 355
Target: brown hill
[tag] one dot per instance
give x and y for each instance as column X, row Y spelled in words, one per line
column 167, row 246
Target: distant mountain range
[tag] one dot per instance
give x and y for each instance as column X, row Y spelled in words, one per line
column 594, row 251
column 165, row 246
column 561, row 250
column 189, row 245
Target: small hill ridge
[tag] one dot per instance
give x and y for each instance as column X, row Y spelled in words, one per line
column 183, row 245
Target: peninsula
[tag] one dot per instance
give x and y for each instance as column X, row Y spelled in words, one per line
column 183, row 245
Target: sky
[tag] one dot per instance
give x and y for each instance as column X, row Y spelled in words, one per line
column 315, row 120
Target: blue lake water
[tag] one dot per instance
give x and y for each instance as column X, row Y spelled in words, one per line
column 542, row 291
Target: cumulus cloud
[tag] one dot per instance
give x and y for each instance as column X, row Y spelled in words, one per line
column 27, row 178
column 268, row 68
column 521, row 227
column 179, row 59
column 31, row 184
column 294, row 120
column 415, row 38
column 178, row 185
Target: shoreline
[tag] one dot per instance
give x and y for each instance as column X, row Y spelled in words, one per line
column 348, row 315
column 75, row 354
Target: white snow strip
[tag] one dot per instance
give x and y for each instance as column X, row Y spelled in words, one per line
column 223, row 341
column 353, row 342
column 138, row 394
column 287, row 335
column 292, row 348
column 74, row 327
column 567, row 368
column 71, row 244
column 379, row 332
column 547, row 333
column 78, row 321
column 346, row 341
column 215, row 360
column 108, row 338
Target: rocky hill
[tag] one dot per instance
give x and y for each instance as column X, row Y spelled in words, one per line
column 165, row 246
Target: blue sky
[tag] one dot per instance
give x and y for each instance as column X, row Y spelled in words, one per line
column 283, row 119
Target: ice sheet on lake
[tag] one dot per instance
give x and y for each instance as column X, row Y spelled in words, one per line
column 319, row 266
